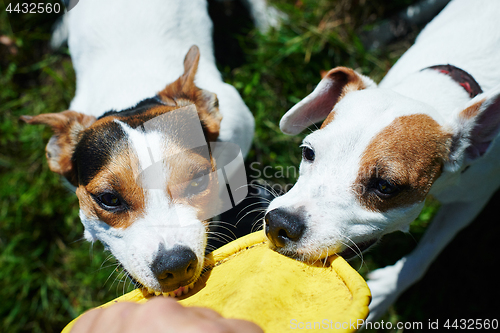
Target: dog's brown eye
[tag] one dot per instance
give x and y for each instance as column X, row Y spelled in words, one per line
column 109, row 200
column 198, row 184
column 308, row 154
column 385, row 188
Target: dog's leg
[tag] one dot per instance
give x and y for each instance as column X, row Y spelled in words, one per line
column 386, row 284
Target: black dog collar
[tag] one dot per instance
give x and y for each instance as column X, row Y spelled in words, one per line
column 461, row 77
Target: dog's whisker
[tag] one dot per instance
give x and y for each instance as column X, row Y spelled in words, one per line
column 211, row 247
column 260, row 210
column 123, row 285
column 312, row 123
column 126, row 285
column 225, row 228
column 224, row 224
column 107, row 266
column 217, row 239
column 267, row 188
column 220, row 222
column 108, row 258
column 113, row 272
column 112, row 283
column 326, row 258
column 358, row 253
column 122, row 275
column 118, row 281
column 262, row 199
column 223, row 236
column 255, row 209
column 82, row 239
column 272, row 191
column 356, row 249
column 248, row 206
column 258, row 225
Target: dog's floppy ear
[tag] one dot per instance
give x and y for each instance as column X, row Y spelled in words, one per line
column 476, row 126
column 319, row 104
column 184, row 89
column 68, row 127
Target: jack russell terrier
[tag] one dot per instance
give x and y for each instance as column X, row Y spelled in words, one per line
column 429, row 128
column 128, row 56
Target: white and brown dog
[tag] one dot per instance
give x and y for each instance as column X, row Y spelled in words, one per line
column 124, row 53
column 430, row 128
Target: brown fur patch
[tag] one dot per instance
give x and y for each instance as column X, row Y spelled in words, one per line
column 118, row 176
column 328, row 119
column 410, row 153
column 472, row 110
column 87, row 204
column 345, row 81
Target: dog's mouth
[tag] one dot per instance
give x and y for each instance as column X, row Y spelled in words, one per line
column 181, row 290
column 356, row 249
column 350, row 252
column 175, row 293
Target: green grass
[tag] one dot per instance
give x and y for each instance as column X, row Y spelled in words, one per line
column 48, row 273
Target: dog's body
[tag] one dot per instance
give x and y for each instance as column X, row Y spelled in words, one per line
column 125, row 51
column 382, row 150
column 124, row 122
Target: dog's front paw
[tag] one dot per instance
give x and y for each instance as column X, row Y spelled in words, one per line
column 385, row 289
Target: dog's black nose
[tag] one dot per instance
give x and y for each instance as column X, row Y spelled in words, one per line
column 283, row 227
column 174, row 267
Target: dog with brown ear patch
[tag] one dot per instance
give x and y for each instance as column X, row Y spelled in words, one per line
column 139, row 153
column 431, row 127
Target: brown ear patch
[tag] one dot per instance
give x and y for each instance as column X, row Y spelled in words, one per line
column 183, row 92
column 68, row 127
column 409, row 153
column 208, row 110
column 350, row 80
column 472, row 110
column 347, row 81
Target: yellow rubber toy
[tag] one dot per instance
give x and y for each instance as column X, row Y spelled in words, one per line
column 250, row 281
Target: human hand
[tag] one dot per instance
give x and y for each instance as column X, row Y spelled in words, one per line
column 160, row 314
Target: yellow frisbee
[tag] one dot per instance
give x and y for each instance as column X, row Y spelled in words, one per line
column 247, row 280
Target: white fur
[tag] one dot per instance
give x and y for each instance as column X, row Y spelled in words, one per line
column 467, row 35
column 126, row 50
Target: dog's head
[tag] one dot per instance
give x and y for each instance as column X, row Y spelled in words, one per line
column 367, row 171
column 144, row 178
